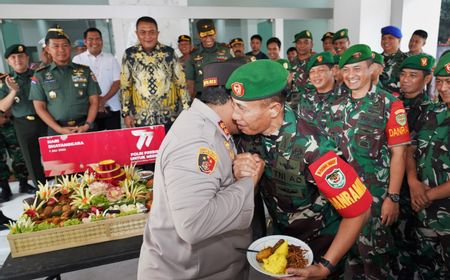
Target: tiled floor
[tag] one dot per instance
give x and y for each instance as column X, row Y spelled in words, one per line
column 125, row 270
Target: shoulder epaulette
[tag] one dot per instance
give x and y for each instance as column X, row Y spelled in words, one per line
column 42, row 67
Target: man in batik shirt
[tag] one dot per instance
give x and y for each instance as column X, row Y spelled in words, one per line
column 152, row 80
column 371, row 129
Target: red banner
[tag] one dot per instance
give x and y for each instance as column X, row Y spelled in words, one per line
column 66, row 154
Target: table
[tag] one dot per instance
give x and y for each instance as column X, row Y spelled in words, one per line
column 52, row 264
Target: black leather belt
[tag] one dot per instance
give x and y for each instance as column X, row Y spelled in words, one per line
column 72, row 122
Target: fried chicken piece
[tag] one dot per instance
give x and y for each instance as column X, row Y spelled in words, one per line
column 265, row 253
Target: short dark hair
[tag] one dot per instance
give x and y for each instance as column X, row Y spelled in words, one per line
column 215, row 95
column 291, row 49
column 274, row 40
column 146, row 19
column 421, row 33
column 91, row 29
column 256, row 36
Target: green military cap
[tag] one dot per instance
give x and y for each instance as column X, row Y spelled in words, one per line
column 420, row 62
column 184, row 38
column 323, row 58
column 56, row 32
column 443, row 66
column 337, row 58
column 354, row 54
column 340, row 34
column 236, row 41
column 305, row 34
column 378, row 58
column 327, row 35
column 16, row 48
column 257, row 80
column 205, row 27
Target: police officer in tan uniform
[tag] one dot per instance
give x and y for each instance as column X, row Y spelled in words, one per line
column 201, row 213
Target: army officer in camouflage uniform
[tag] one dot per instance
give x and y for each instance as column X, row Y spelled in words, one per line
column 370, row 127
column 431, row 171
column 64, row 94
column 315, row 106
column 297, row 154
column 28, row 126
column 209, row 51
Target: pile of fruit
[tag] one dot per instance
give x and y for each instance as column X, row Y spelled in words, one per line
column 105, row 192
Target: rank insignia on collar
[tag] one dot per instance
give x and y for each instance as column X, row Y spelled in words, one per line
column 224, row 128
column 197, row 58
column 207, row 160
column 424, row 61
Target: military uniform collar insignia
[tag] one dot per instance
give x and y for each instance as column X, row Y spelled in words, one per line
column 224, row 129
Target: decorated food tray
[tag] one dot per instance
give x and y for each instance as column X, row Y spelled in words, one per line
column 105, row 203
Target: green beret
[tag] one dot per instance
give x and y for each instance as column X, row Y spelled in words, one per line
column 340, row 34
column 443, row 66
column 420, row 62
column 16, row 48
column 327, row 35
column 257, row 80
column 337, row 58
column 305, row 34
column 56, row 32
column 378, row 58
column 354, row 54
column 323, row 58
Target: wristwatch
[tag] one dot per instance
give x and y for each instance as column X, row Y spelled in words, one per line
column 327, row 264
column 395, row 197
column 91, row 125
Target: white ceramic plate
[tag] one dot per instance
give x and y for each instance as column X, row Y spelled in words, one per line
column 271, row 240
column 145, row 174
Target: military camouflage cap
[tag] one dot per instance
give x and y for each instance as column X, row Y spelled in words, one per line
column 257, row 80
column 16, row 48
column 378, row 58
column 305, row 34
column 205, row 27
column 327, row 35
column 323, row 58
column 420, row 62
column 56, row 32
column 443, row 66
column 184, row 38
column 236, row 41
column 217, row 73
column 340, row 34
column 354, row 54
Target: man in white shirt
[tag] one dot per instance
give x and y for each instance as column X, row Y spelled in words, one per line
column 107, row 71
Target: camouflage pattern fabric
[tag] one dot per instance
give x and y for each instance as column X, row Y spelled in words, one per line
column 433, row 168
column 315, row 107
column 358, row 127
column 390, row 78
column 404, row 230
column 299, row 83
column 9, row 145
column 288, row 189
